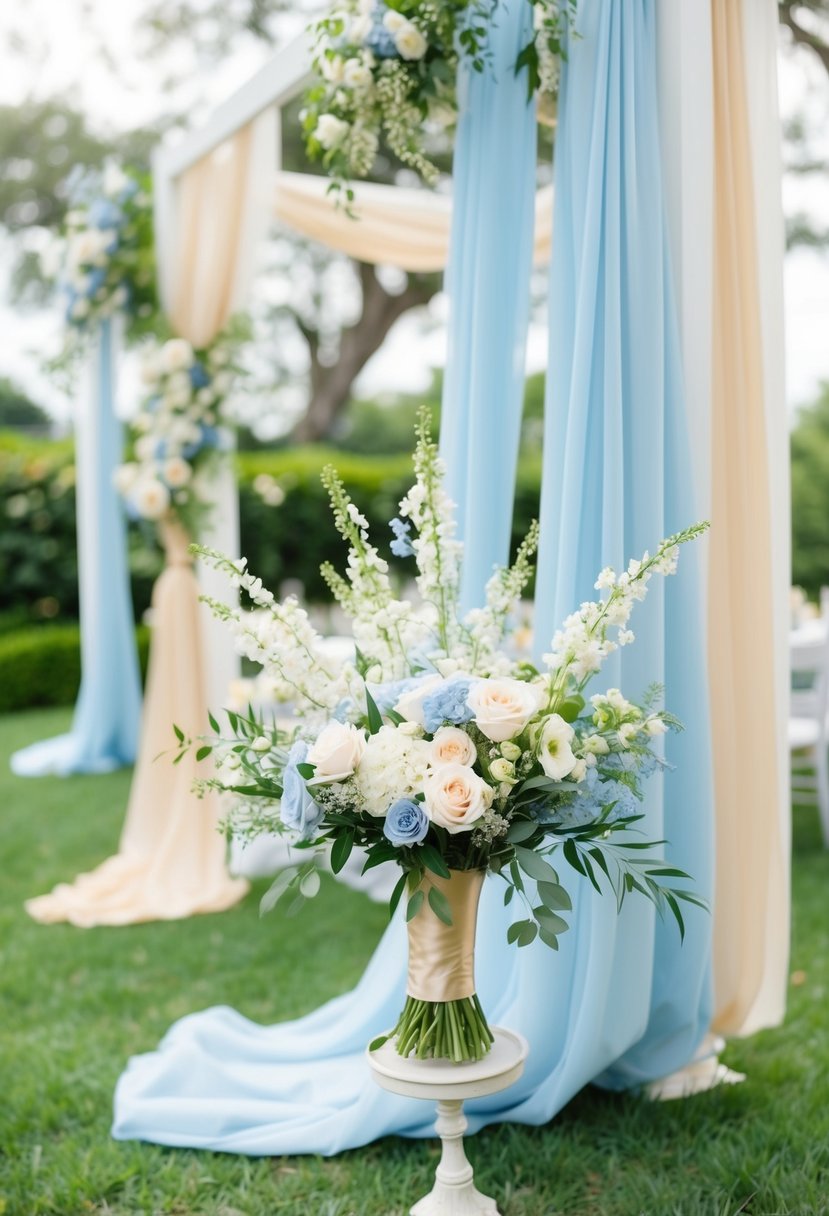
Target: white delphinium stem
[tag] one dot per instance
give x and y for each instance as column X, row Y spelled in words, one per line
column 581, row 645
column 487, row 626
column 436, row 550
column 280, row 637
column 385, row 629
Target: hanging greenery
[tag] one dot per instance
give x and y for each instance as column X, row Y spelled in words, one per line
column 387, row 70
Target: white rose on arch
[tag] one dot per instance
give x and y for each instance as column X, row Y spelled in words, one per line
column 503, row 707
column 410, row 42
column 176, row 355
column 337, row 753
column 456, row 797
column 330, row 130
column 554, row 750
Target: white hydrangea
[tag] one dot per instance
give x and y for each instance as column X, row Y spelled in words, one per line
column 393, row 766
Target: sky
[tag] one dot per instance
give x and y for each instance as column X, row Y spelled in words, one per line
column 61, row 38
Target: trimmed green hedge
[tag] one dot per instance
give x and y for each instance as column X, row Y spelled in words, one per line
column 286, row 526
column 41, row 665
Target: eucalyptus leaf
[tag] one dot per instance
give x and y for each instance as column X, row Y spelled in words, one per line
column 414, row 905
column 535, row 866
column 440, row 905
column 554, row 896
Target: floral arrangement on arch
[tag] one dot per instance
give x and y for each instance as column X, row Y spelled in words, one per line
column 437, row 750
column 178, row 432
column 104, row 261
column 387, row 69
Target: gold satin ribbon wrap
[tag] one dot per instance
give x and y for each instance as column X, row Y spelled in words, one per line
column 442, row 957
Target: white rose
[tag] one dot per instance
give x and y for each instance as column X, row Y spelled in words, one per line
column 150, row 367
column 451, row 745
column 177, row 472
column 502, row 708
column 394, row 21
column 578, row 771
column 145, row 447
column 627, row 733
column 125, row 477
column 554, row 749
column 456, row 797
column 115, row 180
column 337, row 752
column 655, row 726
column 596, row 745
column 410, row 42
column 410, row 705
column 151, row 498
column 176, row 355
column 330, row 130
column 332, row 68
column 359, row 29
column 356, row 74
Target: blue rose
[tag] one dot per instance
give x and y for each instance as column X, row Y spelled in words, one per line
column 406, row 823
column 447, row 704
column 199, row 377
column 298, row 810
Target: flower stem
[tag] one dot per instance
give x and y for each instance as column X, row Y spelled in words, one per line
column 443, row 1030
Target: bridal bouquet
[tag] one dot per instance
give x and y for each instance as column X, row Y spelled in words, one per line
column 439, row 751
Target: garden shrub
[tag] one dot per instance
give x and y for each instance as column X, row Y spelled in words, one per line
column 41, row 665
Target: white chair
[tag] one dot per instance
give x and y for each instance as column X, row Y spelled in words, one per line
column 808, row 734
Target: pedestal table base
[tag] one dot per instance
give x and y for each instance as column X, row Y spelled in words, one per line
column 450, row 1085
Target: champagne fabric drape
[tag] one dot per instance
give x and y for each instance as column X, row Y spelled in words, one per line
column 170, row 861
column 747, row 692
column 393, row 226
column 104, row 732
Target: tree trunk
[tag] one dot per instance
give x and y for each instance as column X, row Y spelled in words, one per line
column 331, row 385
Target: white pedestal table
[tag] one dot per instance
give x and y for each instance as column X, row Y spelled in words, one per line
column 450, row 1085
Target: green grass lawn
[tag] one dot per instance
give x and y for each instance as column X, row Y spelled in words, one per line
column 74, row 1004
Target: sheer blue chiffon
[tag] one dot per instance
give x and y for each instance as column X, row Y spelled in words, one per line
column 104, row 733
column 488, row 284
column 620, row 998
column 616, row 479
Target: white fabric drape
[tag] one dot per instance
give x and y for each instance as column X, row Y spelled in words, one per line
column 739, row 392
column 760, row 36
column 390, row 225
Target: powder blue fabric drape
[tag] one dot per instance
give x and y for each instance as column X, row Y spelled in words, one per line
column 104, row 732
column 619, row 995
column 616, row 479
column 487, row 281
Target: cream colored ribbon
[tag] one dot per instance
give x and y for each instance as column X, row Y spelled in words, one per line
column 442, row 957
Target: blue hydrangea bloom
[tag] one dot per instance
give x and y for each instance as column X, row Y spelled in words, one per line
column 95, row 280
column 298, row 810
column 378, row 39
column 386, row 696
column 447, row 704
column 401, row 546
column 103, row 213
column 406, row 823
column 199, row 377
